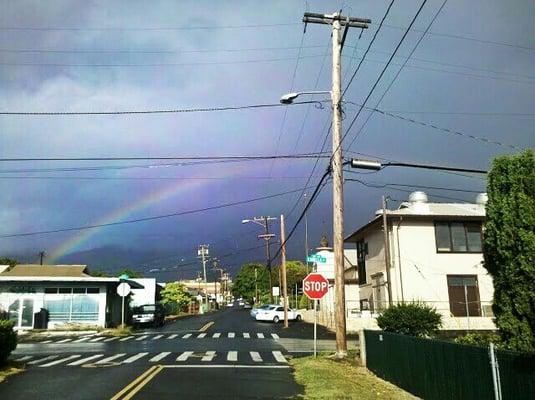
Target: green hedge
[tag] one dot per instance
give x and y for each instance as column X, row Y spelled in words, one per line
column 8, row 340
column 414, row 319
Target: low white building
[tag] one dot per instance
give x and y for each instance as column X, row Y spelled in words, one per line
column 67, row 292
column 435, row 257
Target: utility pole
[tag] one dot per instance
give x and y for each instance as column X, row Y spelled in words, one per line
column 203, row 252
column 306, row 234
column 387, row 254
column 337, row 20
column 283, row 272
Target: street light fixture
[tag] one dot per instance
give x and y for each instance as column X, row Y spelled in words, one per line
column 290, row 97
column 377, row 166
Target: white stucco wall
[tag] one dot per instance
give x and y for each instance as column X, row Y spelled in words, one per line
column 147, row 295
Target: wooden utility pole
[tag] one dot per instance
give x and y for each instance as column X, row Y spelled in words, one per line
column 387, row 254
column 283, row 272
column 337, row 21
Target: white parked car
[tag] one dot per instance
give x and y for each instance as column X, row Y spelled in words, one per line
column 275, row 313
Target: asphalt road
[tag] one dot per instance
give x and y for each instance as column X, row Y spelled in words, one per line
column 224, row 354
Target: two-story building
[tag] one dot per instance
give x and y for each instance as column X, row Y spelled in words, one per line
column 435, row 257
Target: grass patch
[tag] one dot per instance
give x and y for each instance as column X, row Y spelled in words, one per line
column 10, row 368
column 119, row 331
column 325, row 378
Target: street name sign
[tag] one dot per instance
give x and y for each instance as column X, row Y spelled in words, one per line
column 317, row 258
column 315, row 286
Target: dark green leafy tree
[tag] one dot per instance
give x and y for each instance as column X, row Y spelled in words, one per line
column 175, row 297
column 8, row 261
column 244, row 282
column 101, row 274
column 131, row 273
column 509, row 248
column 415, row 319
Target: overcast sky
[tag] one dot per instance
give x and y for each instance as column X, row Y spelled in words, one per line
column 472, row 74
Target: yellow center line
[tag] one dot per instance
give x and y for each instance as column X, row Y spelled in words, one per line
column 134, row 382
column 143, row 383
column 206, row 326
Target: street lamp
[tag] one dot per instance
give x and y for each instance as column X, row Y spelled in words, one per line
column 376, row 165
column 290, row 97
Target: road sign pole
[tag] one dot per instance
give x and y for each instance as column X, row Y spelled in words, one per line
column 315, row 325
column 122, row 311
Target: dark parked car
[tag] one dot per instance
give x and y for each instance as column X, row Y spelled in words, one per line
column 148, row 314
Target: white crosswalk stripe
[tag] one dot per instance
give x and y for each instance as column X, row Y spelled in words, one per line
column 279, row 357
column 84, row 360
column 209, row 356
column 255, row 356
column 43, row 359
column 160, row 356
column 64, row 341
column 98, row 339
column 134, row 358
column 82, row 339
column 111, row 339
column 232, row 356
column 216, row 335
column 275, row 336
column 246, row 335
column 201, row 335
column 125, row 338
column 260, row 335
column 187, row 335
column 184, row 356
column 231, row 335
column 174, row 335
column 25, row 358
column 142, row 337
column 61, row 360
column 157, row 337
column 108, row 359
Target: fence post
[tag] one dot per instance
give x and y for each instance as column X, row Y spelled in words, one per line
column 495, row 373
column 362, row 345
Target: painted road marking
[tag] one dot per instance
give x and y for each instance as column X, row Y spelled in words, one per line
column 137, row 383
column 174, row 335
column 184, row 356
column 43, row 359
column 84, row 360
column 125, row 338
column 108, row 359
column 142, row 337
column 187, row 335
column 232, row 356
column 25, row 358
column 82, row 339
column 111, row 339
column 231, row 335
column 134, row 358
column 216, row 335
column 246, row 335
column 201, row 335
column 275, row 336
column 157, row 337
column 98, row 339
column 209, row 356
column 160, row 356
column 206, row 326
column 64, row 341
column 260, row 335
column 279, row 357
column 233, row 366
column 46, row 341
column 60, row 360
column 255, row 356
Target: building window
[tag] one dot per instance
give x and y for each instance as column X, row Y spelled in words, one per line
column 362, row 250
column 72, row 304
column 51, row 290
column 458, row 237
column 464, row 296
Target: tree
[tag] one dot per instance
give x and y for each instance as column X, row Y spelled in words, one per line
column 8, row 261
column 102, row 274
column 131, row 273
column 295, row 273
column 244, row 284
column 509, row 247
column 175, row 296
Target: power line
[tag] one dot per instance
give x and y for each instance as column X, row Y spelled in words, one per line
column 140, row 178
column 158, row 111
column 477, row 113
column 152, row 218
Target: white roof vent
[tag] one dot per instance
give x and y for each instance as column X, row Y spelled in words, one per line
column 482, row 199
column 418, row 197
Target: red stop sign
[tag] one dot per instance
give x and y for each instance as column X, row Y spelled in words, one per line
column 315, row 286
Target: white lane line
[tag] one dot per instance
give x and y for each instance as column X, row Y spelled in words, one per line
column 142, row 337
column 160, row 356
column 84, row 360
column 260, row 335
column 83, row 339
column 255, row 356
column 231, row 335
column 174, row 335
column 232, row 356
column 60, row 361
column 157, row 337
column 184, row 356
column 43, row 359
column 209, row 356
column 246, row 335
column 46, row 341
column 125, row 338
column 64, row 341
column 134, row 358
column 187, row 335
column 111, row 339
column 201, row 335
column 279, row 357
column 98, row 339
column 275, row 336
column 216, row 335
column 108, row 359
column 25, row 358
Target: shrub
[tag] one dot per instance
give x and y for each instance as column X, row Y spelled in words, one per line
column 479, row 339
column 415, row 319
column 8, row 339
column 303, row 302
